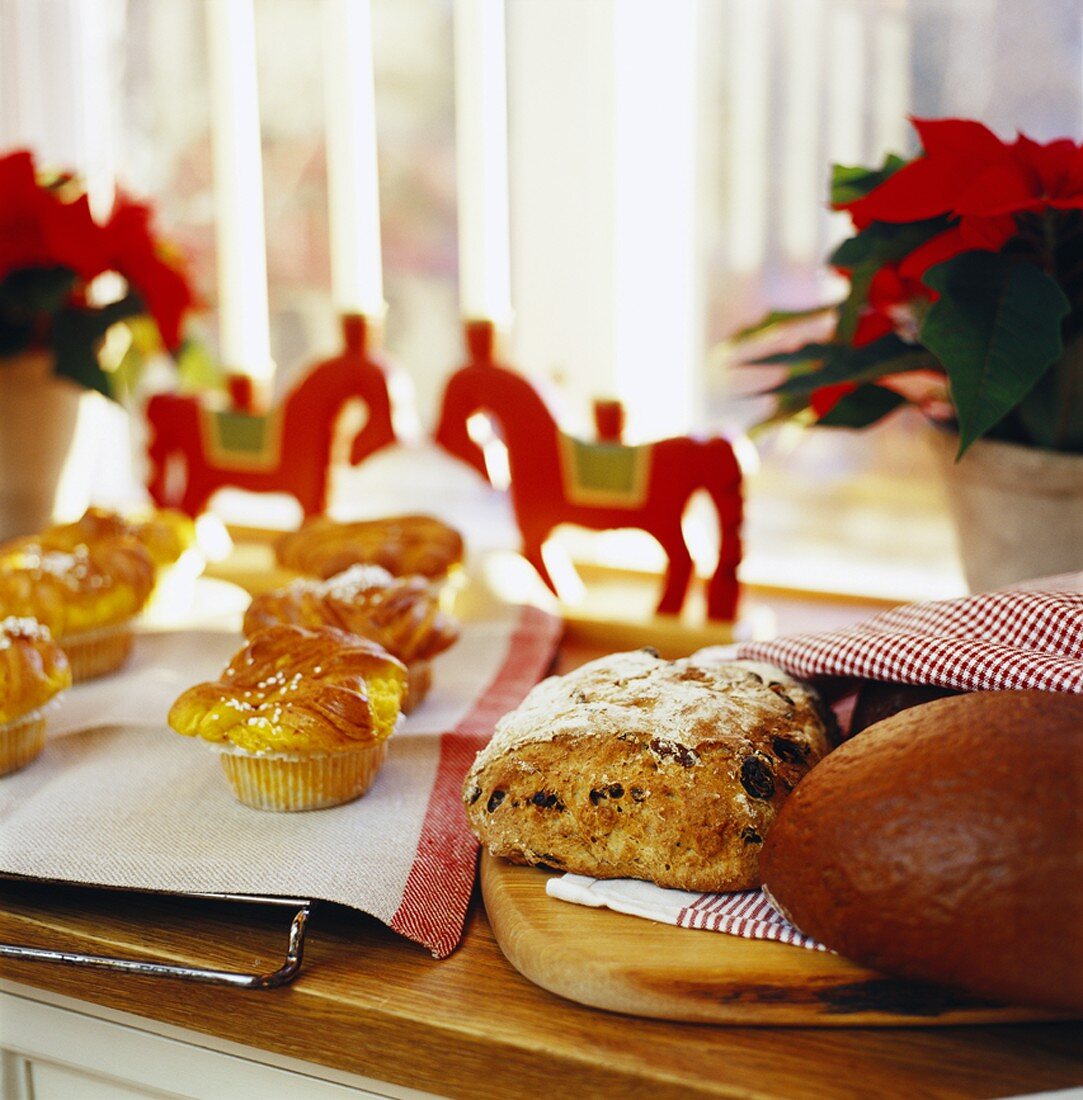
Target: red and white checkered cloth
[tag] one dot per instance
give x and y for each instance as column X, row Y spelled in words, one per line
column 1029, row 636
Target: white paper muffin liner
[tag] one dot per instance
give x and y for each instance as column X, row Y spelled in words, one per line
column 22, row 739
column 294, row 781
column 418, row 684
column 97, row 652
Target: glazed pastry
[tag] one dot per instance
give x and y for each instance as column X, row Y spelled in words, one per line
column 403, row 545
column 301, row 717
column 401, row 614
column 166, row 533
column 33, row 671
column 636, row 767
column 86, row 596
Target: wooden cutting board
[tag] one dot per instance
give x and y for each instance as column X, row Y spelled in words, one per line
column 628, row 964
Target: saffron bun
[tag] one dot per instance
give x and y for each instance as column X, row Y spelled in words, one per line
column 292, row 689
column 86, row 595
column 33, row 668
column 33, row 671
column 301, row 717
column 165, row 533
column 943, row 844
column 402, row 614
column 403, row 545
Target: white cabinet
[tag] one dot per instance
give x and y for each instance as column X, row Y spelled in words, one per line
column 56, row 1048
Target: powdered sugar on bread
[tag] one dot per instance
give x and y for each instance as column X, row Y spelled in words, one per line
column 683, row 703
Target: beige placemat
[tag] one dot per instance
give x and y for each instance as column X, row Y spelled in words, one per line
column 117, row 799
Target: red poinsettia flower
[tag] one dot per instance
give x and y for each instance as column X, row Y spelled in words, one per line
column 990, row 300
column 74, row 239
column 966, row 170
column 970, row 235
column 135, row 253
column 823, row 400
column 893, row 297
column 22, row 242
column 39, row 227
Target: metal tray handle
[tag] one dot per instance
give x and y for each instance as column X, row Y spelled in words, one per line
column 289, row 969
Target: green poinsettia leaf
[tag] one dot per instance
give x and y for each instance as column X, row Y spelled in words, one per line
column 806, row 353
column 848, row 184
column 781, row 317
column 885, row 242
column 888, row 355
column 1051, row 414
column 76, row 335
column 32, row 291
column 14, row 336
column 863, row 407
column 839, row 371
column 29, row 298
column 850, row 310
column 996, row 329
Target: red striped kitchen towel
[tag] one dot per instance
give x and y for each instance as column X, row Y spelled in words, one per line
column 747, row 913
column 441, row 877
column 1029, row 636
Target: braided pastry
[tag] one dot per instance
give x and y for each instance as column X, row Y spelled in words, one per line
column 401, row 614
column 80, row 589
column 292, row 690
column 403, row 545
column 33, row 669
column 165, row 534
column 86, row 595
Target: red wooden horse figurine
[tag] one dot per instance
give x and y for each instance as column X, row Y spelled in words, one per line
column 558, row 479
column 195, row 451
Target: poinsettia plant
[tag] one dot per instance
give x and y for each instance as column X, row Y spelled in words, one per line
column 966, row 292
column 51, row 250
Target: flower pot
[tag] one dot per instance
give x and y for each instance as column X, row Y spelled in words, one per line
column 37, row 424
column 1018, row 510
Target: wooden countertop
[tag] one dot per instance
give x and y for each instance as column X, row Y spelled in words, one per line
column 371, row 1003
column 368, row 1002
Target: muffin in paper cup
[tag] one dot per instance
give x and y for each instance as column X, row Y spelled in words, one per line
column 88, row 594
column 293, row 781
column 94, row 653
column 33, row 672
column 300, row 718
column 21, row 741
column 418, row 685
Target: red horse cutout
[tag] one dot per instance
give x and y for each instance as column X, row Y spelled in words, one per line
column 194, row 450
column 557, row 479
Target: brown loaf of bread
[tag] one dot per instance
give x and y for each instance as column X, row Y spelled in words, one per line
column 945, row 844
column 636, row 767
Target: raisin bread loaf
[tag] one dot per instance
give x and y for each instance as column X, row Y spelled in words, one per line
column 636, row 767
